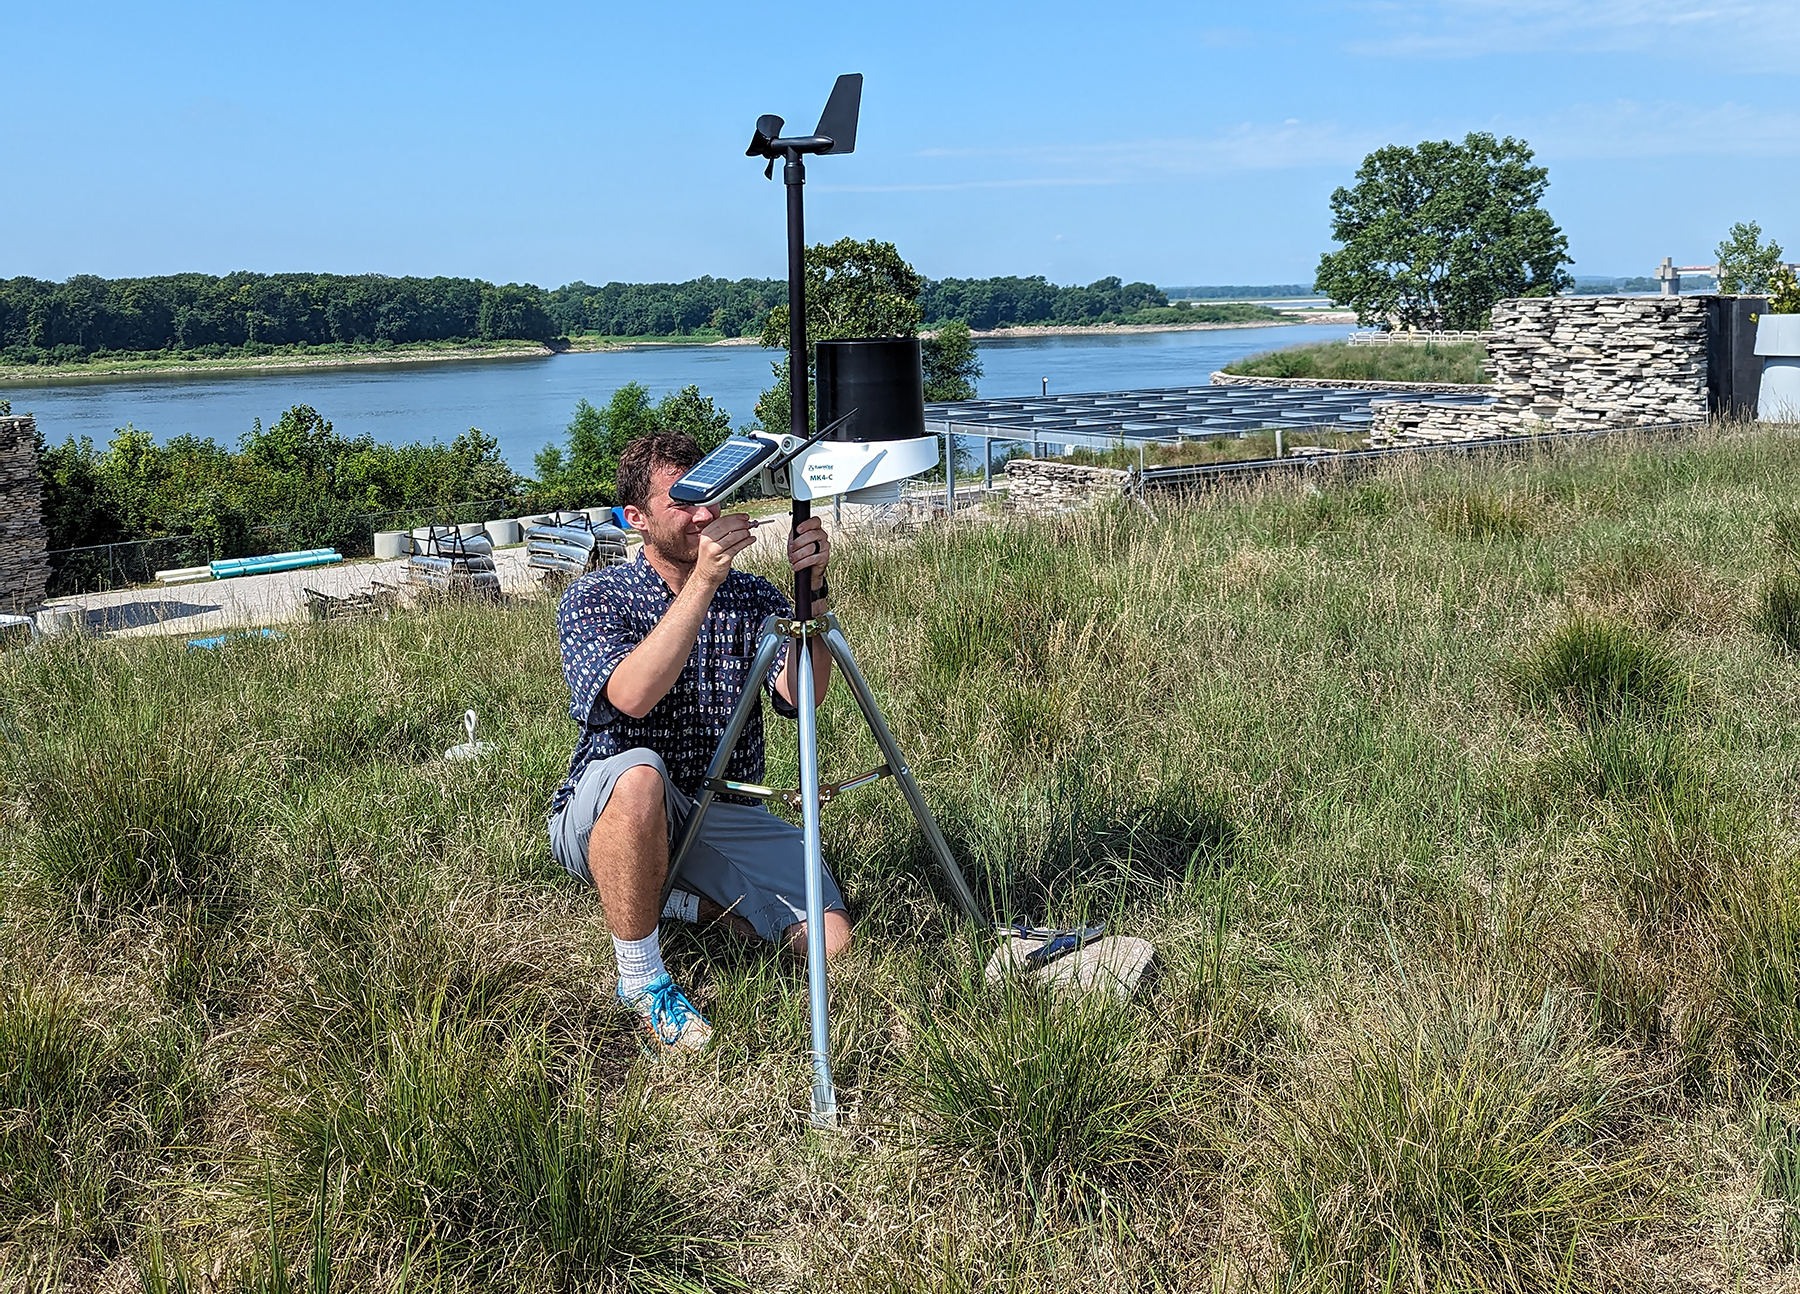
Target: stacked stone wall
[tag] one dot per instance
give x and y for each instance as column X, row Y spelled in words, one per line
column 1039, row 486
column 24, row 543
column 1568, row 363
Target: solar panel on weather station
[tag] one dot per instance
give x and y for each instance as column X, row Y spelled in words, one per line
column 722, row 471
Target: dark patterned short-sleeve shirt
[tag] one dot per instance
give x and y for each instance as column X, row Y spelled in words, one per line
column 608, row 612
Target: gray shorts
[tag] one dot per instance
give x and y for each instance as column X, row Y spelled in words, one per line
column 747, row 859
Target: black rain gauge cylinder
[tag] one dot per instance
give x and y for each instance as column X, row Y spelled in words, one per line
column 882, row 378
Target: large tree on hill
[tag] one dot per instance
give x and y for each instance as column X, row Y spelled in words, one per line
column 1746, row 262
column 1433, row 236
column 853, row 289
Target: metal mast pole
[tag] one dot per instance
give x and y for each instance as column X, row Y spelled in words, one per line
column 824, row 1092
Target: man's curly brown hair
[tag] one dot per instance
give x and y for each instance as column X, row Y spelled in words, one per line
column 642, row 458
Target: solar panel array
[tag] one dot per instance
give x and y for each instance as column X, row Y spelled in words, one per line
column 1171, row 413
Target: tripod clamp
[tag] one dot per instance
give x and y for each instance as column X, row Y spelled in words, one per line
column 794, row 800
column 816, row 627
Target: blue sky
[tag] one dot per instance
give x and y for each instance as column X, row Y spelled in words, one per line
column 1179, row 143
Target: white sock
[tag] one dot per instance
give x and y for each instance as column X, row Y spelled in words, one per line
column 640, row 961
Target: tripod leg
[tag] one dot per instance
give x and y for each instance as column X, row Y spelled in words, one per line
column 766, row 648
column 824, row 1092
column 839, row 646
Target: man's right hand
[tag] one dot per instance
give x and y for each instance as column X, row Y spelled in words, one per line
column 720, row 543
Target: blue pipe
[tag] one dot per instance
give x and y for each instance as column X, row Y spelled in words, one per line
column 275, row 562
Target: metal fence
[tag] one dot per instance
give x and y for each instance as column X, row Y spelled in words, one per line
column 94, row 568
column 1413, row 338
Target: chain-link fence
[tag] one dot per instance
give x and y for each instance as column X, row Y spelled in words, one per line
column 95, row 568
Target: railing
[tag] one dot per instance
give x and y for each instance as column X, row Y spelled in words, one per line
column 1442, row 338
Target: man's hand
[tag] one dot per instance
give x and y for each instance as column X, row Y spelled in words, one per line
column 720, row 543
column 810, row 549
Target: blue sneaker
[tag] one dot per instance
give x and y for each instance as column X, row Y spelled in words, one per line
column 671, row 1019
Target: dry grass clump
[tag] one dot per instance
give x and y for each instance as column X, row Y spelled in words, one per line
column 1658, row 590
column 1481, row 514
column 1461, row 818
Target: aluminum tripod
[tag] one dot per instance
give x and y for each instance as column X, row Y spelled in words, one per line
column 810, row 799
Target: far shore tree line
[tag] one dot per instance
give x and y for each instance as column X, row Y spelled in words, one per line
column 1430, row 237
column 204, row 316
column 300, row 483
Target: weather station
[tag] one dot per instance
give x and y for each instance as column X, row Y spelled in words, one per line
column 871, row 438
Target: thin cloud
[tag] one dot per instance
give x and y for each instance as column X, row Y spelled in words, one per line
column 1628, row 129
column 1759, row 32
column 1622, row 129
column 1246, row 146
column 1036, row 182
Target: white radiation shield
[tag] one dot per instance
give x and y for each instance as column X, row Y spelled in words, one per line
column 869, row 468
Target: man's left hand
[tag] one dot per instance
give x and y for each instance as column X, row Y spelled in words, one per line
column 810, row 549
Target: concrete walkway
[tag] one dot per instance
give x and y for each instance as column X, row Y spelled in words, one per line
column 208, row 606
column 211, row 606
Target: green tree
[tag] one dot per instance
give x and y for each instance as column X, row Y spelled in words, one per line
column 584, row 474
column 514, row 312
column 1434, row 235
column 951, row 364
column 1746, row 263
column 301, row 442
column 772, row 413
column 687, row 410
column 853, row 289
column 1784, row 292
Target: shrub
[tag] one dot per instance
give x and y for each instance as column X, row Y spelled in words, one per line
column 1778, row 610
column 1599, row 670
column 1458, row 1138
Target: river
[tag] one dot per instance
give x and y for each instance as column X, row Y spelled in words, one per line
column 526, row 403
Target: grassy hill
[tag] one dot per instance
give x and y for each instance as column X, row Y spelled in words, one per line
column 1459, row 801
column 1404, row 362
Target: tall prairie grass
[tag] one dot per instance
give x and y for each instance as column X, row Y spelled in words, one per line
column 1404, row 362
column 1458, row 798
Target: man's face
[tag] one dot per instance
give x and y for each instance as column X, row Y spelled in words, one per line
column 672, row 529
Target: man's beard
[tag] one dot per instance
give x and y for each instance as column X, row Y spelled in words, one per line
column 670, row 541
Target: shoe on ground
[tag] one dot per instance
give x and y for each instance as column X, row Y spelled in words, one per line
column 671, row 1020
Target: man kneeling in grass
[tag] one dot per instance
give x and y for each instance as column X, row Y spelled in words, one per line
column 657, row 652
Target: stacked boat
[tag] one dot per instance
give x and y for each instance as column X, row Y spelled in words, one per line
column 570, row 544
column 446, row 560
